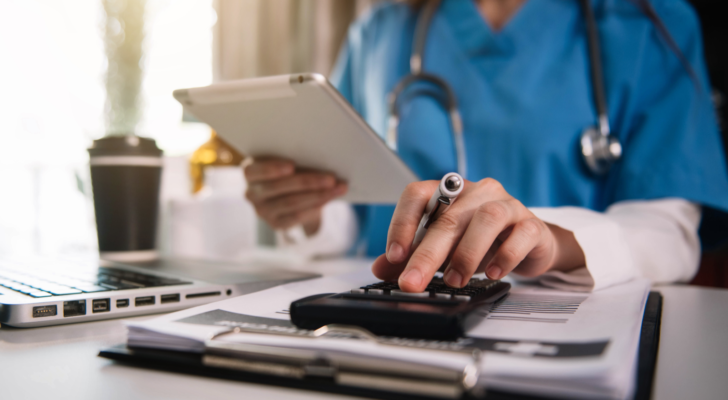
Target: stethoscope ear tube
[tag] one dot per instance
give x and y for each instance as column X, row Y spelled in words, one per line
column 449, row 103
column 599, row 148
column 417, row 75
column 420, row 37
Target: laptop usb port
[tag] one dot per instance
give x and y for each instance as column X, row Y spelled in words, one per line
column 144, row 301
column 169, row 298
column 74, row 308
column 101, row 305
column 44, row 311
column 121, row 303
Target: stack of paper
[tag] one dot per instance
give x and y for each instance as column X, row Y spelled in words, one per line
column 539, row 341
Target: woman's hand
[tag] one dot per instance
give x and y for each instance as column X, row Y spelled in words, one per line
column 485, row 229
column 285, row 196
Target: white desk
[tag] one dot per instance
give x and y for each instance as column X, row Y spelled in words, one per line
column 61, row 363
column 692, row 362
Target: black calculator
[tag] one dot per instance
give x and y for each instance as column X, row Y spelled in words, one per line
column 439, row 312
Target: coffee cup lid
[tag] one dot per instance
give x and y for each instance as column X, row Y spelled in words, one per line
column 124, row 146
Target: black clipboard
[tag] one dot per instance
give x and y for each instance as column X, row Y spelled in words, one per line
column 188, row 363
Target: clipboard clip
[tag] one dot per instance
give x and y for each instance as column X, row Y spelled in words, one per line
column 345, row 330
column 302, row 362
column 355, row 332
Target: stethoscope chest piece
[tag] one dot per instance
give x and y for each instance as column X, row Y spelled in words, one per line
column 599, row 151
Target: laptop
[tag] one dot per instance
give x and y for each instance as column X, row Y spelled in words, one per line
column 40, row 291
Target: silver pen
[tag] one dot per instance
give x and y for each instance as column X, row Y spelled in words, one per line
column 447, row 191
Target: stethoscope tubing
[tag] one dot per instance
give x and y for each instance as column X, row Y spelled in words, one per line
column 456, row 122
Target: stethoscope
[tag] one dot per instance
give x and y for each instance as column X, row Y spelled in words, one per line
column 599, row 148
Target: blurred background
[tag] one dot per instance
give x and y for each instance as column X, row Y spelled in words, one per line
column 62, row 58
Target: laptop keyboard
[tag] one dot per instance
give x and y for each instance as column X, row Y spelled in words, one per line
column 44, row 284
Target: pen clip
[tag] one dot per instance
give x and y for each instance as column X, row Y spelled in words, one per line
column 432, row 215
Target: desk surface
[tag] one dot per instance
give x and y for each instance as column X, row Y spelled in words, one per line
column 692, row 362
column 61, row 363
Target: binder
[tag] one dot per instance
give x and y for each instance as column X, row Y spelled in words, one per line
column 304, row 370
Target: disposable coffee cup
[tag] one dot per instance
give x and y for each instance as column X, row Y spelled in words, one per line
column 125, row 174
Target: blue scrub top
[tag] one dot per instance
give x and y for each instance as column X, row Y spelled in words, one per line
column 525, row 97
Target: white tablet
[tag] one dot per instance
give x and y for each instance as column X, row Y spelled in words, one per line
column 303, row 118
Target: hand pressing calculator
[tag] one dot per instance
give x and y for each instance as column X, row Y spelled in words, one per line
column 440, row 312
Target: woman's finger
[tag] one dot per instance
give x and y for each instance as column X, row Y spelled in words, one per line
column 558, row 249
column 267, row 168
column 441, row 238
column 299, row 182
column 487, row 223
column 406, row 217
column 526, row 235
column 488, row 256
column 444, row 234
column 385, row 270
column 292, row 203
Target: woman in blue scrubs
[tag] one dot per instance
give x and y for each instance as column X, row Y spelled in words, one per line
column 520, row 72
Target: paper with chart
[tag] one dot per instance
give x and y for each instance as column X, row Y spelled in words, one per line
column 538, row 340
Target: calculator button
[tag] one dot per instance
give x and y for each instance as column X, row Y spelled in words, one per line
column 375, row 291
column 461, row 297
column 442, row 295
column 358, row 291
column 408, row 294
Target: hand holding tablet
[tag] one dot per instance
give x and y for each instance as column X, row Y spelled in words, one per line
column 286, row 196
column 303, row 119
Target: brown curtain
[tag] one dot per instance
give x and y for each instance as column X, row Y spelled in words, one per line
column 270, row 37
